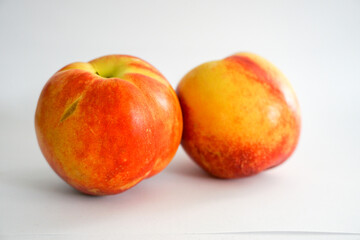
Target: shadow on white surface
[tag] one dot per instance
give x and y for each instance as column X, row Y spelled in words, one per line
column 40, row 182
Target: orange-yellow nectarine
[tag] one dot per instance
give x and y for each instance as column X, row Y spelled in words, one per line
column 240, row 114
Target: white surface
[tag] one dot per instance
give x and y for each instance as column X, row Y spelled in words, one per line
column 314, row 195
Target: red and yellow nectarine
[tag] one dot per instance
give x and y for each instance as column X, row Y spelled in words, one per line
column 240, row 115
column 105, row 125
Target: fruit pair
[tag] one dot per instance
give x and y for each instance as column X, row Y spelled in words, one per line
column 105, row 125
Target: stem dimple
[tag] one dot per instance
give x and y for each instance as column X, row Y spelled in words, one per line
column 103, row 76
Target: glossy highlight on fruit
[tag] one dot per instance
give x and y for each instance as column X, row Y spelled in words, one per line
column 241, row 116
column 105, row 125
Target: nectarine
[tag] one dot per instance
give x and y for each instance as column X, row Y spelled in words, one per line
column 105, row 125
column 241, row 116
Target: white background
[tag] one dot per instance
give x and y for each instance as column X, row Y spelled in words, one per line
column 314, row 195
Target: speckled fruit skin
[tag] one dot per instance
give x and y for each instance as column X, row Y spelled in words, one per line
column 105, row 125
column 240, row 114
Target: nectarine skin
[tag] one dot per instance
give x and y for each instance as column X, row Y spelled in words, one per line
column 105, row 125
column 241, row 116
